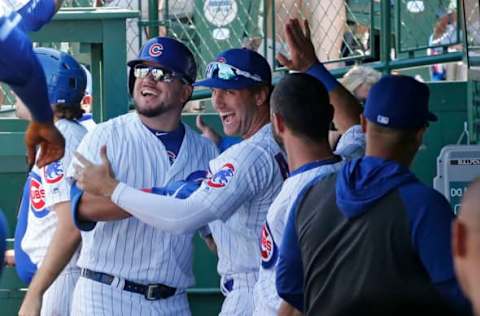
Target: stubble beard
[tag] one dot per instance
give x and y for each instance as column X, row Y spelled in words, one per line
column 152, row 112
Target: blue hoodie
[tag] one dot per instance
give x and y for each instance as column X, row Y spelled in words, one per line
column 363, row 182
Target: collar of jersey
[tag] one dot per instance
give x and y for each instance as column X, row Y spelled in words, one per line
column 160, row 134
column 315, row 164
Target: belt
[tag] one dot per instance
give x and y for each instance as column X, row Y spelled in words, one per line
column 152, row 292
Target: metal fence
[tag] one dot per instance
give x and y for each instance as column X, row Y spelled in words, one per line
column 344, row 31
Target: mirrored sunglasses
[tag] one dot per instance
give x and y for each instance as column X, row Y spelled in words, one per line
column 227, row 72
column 158, row 74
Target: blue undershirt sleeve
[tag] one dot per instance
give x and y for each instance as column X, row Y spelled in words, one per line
column 319, row 72
column 430, row 218
column 36, row 14
column 21, row 70
column 75, row 197
column 289, row 277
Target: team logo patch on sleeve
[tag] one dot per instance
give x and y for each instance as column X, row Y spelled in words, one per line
column 54, row 172
column 37, row 198
column 222, row 177
column 268, row 248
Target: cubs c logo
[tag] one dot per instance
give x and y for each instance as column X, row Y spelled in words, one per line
column 37, row 195
column 53, row 172
column 268, row 248
column 222, row 177
column 155, row 50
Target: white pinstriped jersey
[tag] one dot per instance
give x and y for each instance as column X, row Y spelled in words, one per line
column 267, row 301
column 129, row 248
column 245, row 180
column 49, row 187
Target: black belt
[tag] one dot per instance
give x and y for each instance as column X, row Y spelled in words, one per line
column 152, row 292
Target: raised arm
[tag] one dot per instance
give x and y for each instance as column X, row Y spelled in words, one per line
column 20, row 69
column 304, row 59
column 65, row 241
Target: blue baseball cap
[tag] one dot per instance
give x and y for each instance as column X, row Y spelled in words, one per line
column 237, row 68
column 399, row 102
column 65, row 77
column 169, row 54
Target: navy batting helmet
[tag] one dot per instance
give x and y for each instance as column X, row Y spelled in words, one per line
column 66, row 80
column 168, row 53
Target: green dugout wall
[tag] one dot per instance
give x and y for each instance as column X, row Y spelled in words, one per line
column 101, row 35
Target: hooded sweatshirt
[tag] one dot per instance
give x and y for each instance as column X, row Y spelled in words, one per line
column 372, row 229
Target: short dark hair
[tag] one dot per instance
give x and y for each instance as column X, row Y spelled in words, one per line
column 304, row 104
column 68, row 111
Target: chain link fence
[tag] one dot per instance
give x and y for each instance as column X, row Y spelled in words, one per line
column 211, row 26
column 343, row 31
column 426, row 24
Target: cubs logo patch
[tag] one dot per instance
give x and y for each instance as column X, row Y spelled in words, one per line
column 222, row 177
column 221, row 60
column 53, row 172
column 37, row 195
column 155, row 50
column 268, row 248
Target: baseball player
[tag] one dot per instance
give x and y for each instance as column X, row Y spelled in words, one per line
column 49, row 239
column 301, row 117
column 243, row 181
column 373, row 225
column 20, row 69
column 130, row 267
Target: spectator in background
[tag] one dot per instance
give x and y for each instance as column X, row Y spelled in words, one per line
column 359, row 80
column 445, row 33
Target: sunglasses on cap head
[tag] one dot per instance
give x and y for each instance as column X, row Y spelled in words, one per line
column 141, row 71
column 227, row 72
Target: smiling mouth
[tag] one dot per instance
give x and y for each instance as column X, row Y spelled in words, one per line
column 148, row 93
column 227, row 117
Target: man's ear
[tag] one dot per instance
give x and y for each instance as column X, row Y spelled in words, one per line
column 186, row 93
column 459, row 239
column 278, row 123
column 261, row 96
column 419, row 135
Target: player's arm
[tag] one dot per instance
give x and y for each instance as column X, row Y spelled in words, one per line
column 94, row 208
column 286, row 309
column 430, row 227
column 98, row 208
column 35, row 14
column 20, row 69
column 208, row 203
column 65, row 241
column 210, row 242
column 289, row 277
column 303, row 58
